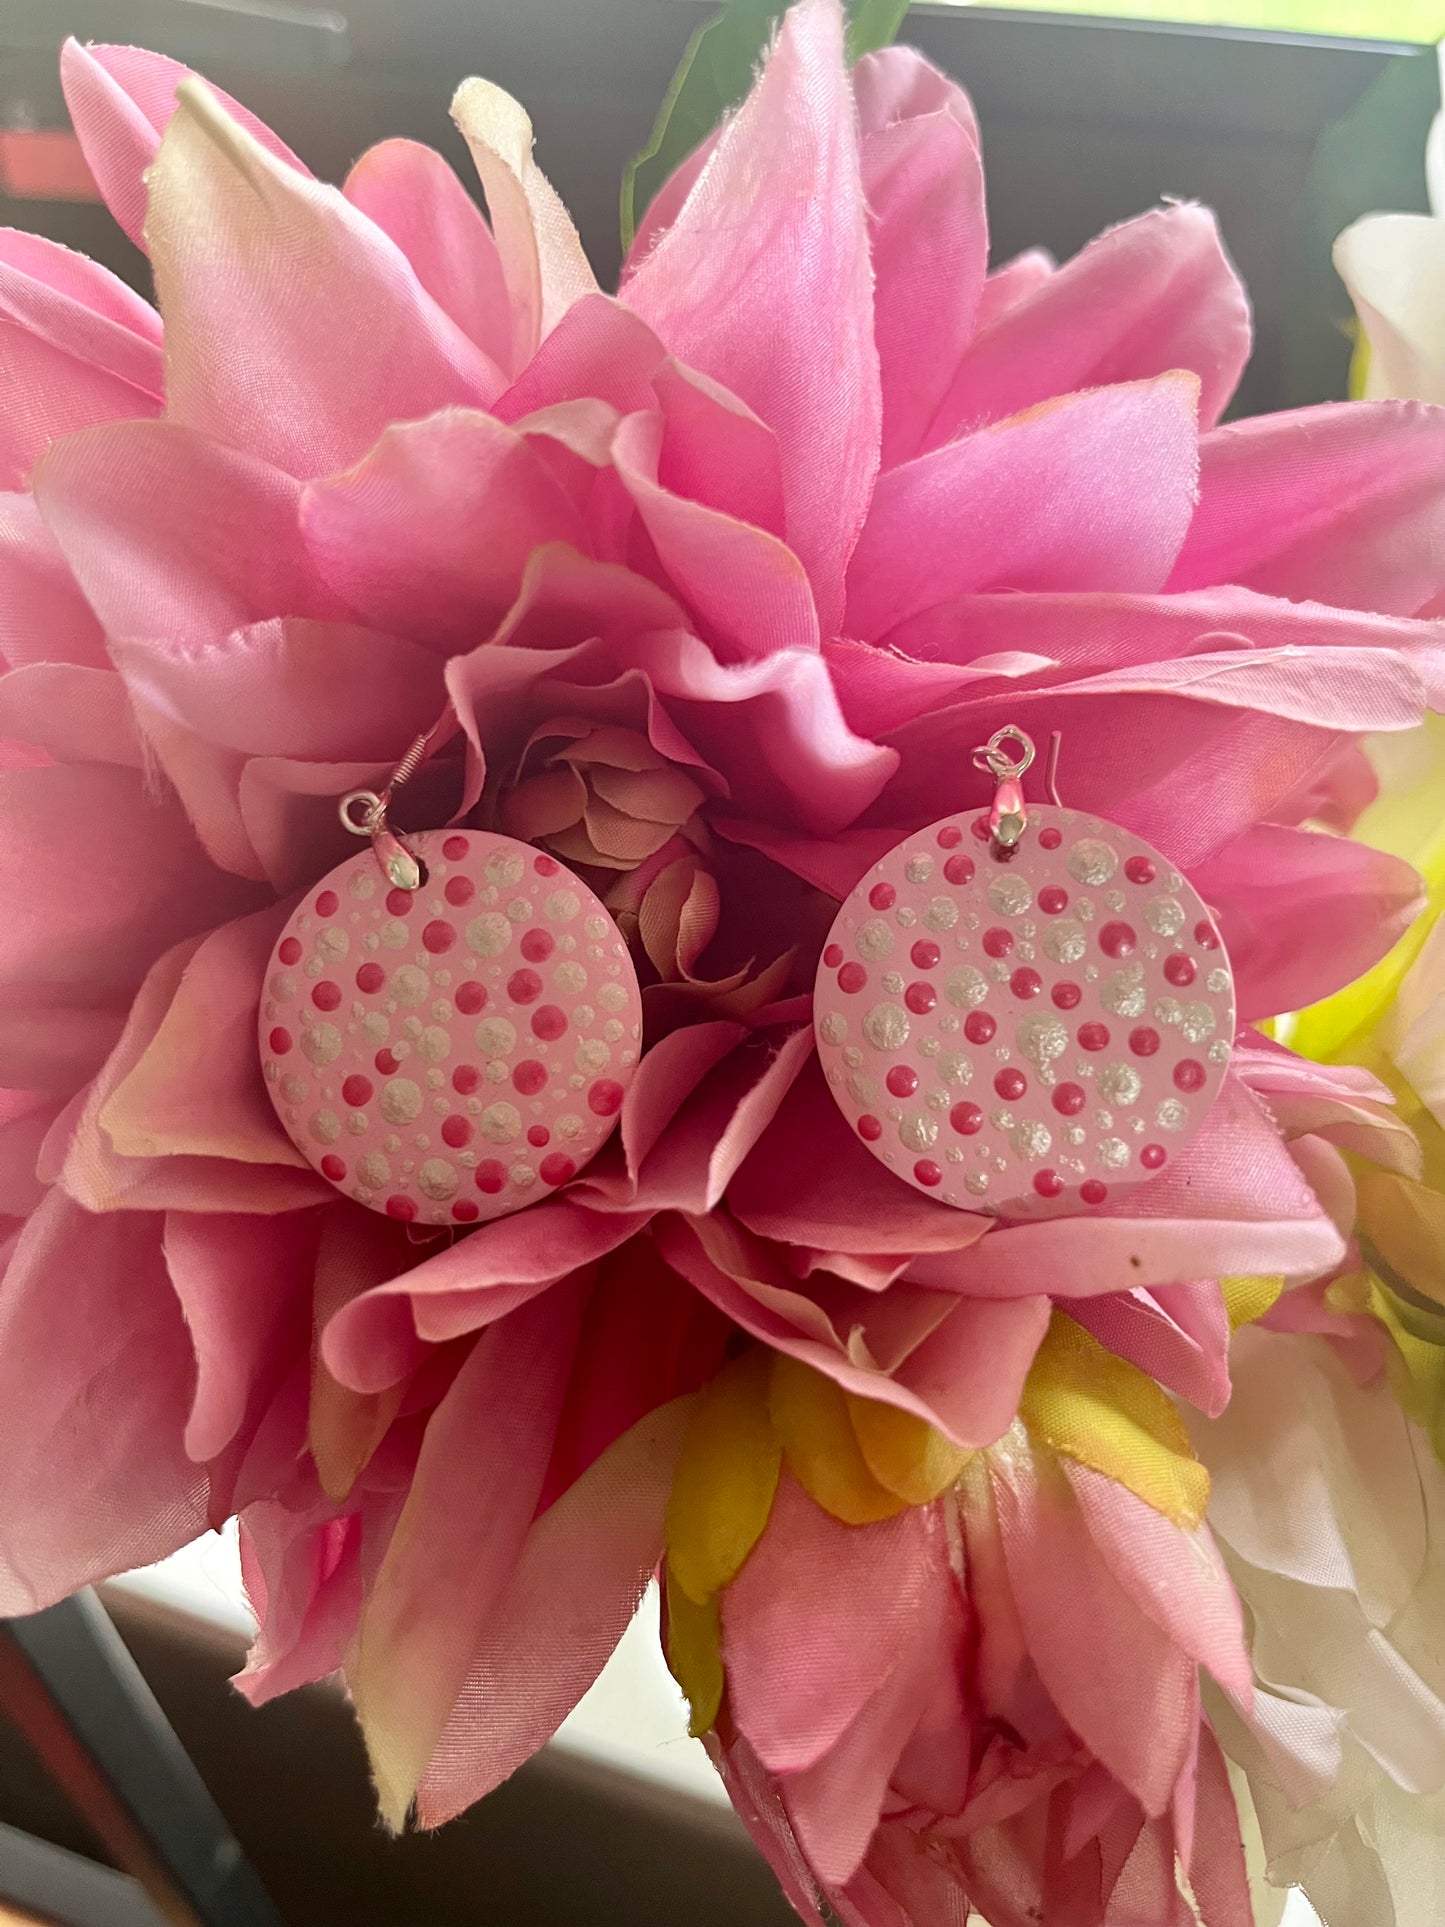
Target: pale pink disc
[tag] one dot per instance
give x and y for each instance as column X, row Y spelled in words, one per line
column 454, row 1054
column 1026, row 1037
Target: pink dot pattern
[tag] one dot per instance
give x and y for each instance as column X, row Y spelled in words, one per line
column 1026, row 1038
column 451, row 1055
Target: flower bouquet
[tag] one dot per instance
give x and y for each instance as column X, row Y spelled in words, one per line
column 642, row 937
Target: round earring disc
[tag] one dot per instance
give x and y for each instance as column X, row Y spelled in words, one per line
column 451, row 1054
column 1027, row 1037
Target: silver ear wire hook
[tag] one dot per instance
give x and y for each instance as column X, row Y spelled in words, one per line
column 1008, row 816
column 364, row 813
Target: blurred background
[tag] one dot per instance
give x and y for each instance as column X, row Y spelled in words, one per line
column 1290, row 117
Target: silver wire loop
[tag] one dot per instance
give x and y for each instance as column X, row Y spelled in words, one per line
column 373, row 812
column 990, row 756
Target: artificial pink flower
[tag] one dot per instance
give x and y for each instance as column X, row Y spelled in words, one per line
column 931, row 1667
column 717, row 584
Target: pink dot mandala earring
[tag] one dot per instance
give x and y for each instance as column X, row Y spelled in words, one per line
column 449, row 1020
column 1024, row 1010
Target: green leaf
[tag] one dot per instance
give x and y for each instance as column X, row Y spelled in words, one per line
column 716, row 71
column 874, row 24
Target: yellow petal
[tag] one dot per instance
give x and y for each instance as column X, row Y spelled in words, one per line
column 694, row 1654
column 1401, row 1227
column 1417, row 1372
column 810, row 1416
column 345, row 1427
column 1407, row 820
column 1246, row 1299
column 1107, row 1414
column 905, row 1454
column 722, row 1491
column 543, row 263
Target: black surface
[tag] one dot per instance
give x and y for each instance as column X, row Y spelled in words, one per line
column 567, row 1842
column 91, row 1677
column 64, row 1888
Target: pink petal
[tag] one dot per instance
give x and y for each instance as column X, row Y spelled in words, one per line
column 1024, row 275
column 574, row 1588
column 147, row 514
column 1348, row 905
column 598, row 349
column 738, row 1277
column 810, row 1182
column 104, row 1179
column 25, row 1118
column 819, row 1617
column 542, row 260
column 1091, row 492
column 43, row 615
column 76, row 715
column 754, row 1795
column 1342, row 504
column 775, row 725
column 970, row 1370
column 459, row 1538
column 923, row 183
column 666, row 1077
column 1340, row 1102
column 1147, row 1887
column 73, row 350
column 376, row 1339
column 716, row 451
column 1233, row 1202
column 763, row 282
column 786, row 749
column 121, row 100
column 835, row 1804
column 1345, row 788
column 76, row 347
column 647, row 1339
column 96, row 1378
column 1155, row 294
column 411, row 194
column 304, row 1581
column 883, row 689
column 85, row 288
column 54, row 1039
column 1176, row 1578
column 196, row 1089
column 1343, row 689
column 748, row 590
column 321, row 691
column 206, row 780
column 717, row 1127
column 833, row 865
column 80, row 308
column 429, row 534
column 1127, row 1690
column 244, row 1285
column 97, row 875
column 332, row 356
column 1217, row 740
column 1217, row 1871
column 1188, row 1354
column 1094, row 635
